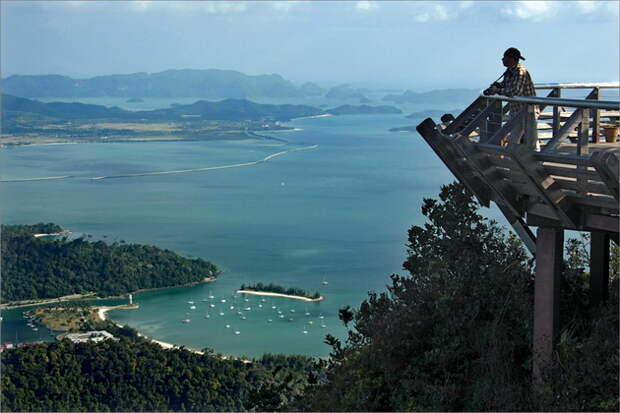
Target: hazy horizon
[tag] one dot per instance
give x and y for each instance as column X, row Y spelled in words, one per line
column 416, row 45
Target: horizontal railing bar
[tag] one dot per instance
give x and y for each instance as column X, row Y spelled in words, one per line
column 574, row 103
column 604, row 85
column 593, row 200
column 560, row 158
column 556, row 170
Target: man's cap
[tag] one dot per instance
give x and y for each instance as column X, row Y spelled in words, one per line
column 514, row 52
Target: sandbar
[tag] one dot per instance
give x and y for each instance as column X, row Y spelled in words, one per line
column 270, row 294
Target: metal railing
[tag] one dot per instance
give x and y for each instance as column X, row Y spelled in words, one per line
column 487, row 115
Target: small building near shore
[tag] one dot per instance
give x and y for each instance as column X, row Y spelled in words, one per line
column 95, row 336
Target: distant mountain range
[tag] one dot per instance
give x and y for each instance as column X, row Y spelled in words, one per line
column 229, row 109
column 209, row 83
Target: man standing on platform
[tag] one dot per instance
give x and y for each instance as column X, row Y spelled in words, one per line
column 517, row 82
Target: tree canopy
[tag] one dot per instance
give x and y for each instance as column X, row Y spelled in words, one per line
column 35, row 268
column 455, row 333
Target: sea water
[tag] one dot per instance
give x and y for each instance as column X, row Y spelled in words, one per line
column 331, row 219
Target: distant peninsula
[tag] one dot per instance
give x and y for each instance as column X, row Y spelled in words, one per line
column 279, row 291
column 39, row 269
column 347, row 92
column 27, row 121
column 434, row 96
column 363, row 110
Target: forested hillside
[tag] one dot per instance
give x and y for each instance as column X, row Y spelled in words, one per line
column 135, row 375
column 34, row 268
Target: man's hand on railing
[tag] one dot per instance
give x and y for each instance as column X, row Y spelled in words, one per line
column 490, row 91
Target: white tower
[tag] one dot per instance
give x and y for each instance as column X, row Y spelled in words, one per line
column 130, row 299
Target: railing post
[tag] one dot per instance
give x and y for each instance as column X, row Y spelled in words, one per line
column 530, row 138
column 596, row 117
column 583, row 138
column 556, row 113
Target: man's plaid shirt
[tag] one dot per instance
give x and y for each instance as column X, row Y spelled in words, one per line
column 517, row 82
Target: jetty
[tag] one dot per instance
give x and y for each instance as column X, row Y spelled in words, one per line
column 554, row 172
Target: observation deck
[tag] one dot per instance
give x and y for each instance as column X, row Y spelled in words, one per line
column 556, row 170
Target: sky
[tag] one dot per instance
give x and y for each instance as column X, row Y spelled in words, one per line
column 421, row 45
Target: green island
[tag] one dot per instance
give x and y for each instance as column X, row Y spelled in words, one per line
column 275, row 289
column 43, row 268
column 451, row 334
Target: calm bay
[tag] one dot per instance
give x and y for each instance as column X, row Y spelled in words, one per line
column 332, row 218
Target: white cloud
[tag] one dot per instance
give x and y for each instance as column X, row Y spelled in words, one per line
column 366, row 5
column 466, row 4
column 284, row 6
column 530, row 10
column 428, row 12
column 211, row 7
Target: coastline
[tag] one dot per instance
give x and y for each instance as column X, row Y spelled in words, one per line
column 270, row 294
column 73, row 297
column 101, row 311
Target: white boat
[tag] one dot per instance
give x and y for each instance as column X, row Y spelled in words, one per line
column 223, row 300
column 273, row 307
column 193, row 307
column 305, row 331
column 248, row 308
column 227, row 325
column 212, row 305
column 323, row 325
column 232, row 307
column 292, row 310
column 310, row 322
column 237, row 332
column 243, row 317
column 187, row 320
column 269, row 320
column 221, row 313
column 190, row 302
column 281, row 316
column 321, row 316
column 211, row 297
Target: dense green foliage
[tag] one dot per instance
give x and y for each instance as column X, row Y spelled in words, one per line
column 34, row 268
column 135, row 375
column 274, row 288
column 455, row 335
